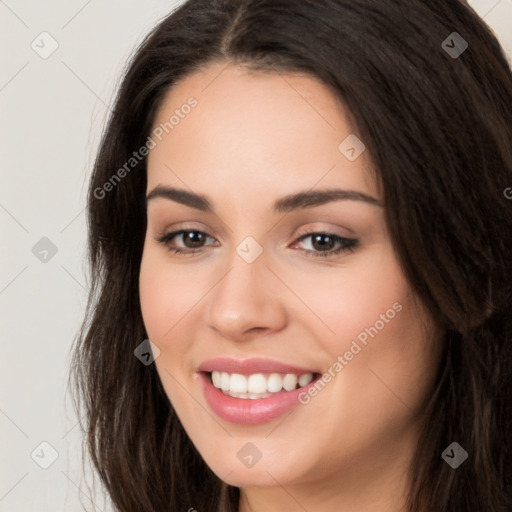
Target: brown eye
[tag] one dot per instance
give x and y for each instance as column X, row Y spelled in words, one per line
column 191, row 240
column 324, row 244
column 321, row 242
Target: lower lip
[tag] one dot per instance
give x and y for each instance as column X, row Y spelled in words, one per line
column 246, row 411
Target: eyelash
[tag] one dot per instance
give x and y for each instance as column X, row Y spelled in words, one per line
column 347, row 244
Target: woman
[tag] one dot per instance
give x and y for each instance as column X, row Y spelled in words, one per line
column 300, row 243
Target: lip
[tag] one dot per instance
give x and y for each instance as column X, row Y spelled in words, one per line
column 247, row 411
column 250, row 366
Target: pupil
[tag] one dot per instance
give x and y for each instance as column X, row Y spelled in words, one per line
column 194, row 239
column 318, row 244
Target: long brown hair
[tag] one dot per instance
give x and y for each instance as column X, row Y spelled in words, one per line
column 435, row 116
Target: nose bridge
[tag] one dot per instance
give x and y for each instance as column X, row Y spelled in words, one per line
column 241, row 281
column 247, row 265
column 242, row 300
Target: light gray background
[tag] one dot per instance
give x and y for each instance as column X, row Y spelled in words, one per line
column 52, row 114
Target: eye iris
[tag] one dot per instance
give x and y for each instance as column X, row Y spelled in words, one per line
column 320, row 244
column 193, row 239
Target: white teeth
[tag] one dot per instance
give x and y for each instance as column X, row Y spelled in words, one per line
column 217, row 379
column 224, row 381
column 252, row 396
column 274, row 383
column 238, row 383
column 305, row 379
column 290, row 381
column 258, row 385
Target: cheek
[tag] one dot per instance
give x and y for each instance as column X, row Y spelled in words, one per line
column 152, row 302
column 163, row 306
column 352, row 298
column 166, row 294
column 376, row 326
column 391, row 360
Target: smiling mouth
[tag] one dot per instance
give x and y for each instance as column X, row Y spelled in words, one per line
column 258, row 385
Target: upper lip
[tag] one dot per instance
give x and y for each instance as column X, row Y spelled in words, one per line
column 250, row 366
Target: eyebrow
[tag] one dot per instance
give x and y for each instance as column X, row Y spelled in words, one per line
column 306, row 199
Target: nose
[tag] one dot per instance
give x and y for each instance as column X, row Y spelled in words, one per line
column 246, row 302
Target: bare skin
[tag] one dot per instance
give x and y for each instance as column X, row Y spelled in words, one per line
column 252, row 139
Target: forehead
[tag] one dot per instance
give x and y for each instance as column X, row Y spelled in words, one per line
column 257, row 129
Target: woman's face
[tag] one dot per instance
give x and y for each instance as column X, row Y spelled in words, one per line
column 282, row 278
